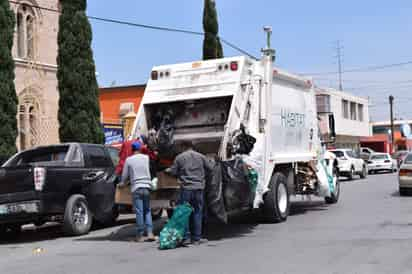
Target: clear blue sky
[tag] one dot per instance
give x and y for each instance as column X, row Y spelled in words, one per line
column 304, row 32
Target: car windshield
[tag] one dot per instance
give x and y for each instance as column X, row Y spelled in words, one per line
column 338, row 153
column 379, row 157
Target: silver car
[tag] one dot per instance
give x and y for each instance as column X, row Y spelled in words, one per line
column 381, row 162
column 405, row 175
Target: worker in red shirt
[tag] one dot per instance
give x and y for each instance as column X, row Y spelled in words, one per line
column 126, row 151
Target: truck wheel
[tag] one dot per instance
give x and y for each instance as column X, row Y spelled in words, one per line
column 334, row 198
column 157, row 214
column 364, row 173
column 169, row 213
column 403, row 191
column 351, row 174
column 276, row 201
column 77, row 216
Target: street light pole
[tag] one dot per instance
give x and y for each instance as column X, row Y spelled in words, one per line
column 391, row 98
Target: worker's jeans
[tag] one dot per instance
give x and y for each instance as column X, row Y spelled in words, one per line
column 141, row 202
column 195, row 199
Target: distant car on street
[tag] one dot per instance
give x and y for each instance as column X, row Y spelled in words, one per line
column 399, row 156
column 365, row 153
column 349, row 164
column 405, row 175
column 382, row 162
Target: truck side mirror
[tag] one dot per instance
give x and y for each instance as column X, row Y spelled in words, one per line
column 332, row 130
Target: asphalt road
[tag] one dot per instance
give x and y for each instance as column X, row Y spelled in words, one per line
column 368, row 231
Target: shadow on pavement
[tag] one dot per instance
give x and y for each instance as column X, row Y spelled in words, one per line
column 47, row 232
column 302, row 207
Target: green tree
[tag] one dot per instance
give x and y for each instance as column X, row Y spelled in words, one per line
column 212, row 47
column 79, row 112
column 8, row 97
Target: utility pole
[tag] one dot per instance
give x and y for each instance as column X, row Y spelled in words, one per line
column 339, row 49
column 391, row 98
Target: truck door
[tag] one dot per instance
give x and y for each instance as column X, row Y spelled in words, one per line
column 99, row 180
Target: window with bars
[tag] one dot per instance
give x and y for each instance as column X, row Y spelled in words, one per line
column 345, row 109
column 323, row 103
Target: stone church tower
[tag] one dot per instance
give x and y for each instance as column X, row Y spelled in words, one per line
column 35, row 53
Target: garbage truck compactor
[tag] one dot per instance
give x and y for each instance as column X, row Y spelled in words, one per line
column 240, row 110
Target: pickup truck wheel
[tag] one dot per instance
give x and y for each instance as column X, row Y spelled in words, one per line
column 77, row 216
column 276, row 201
column 351, row 173
column 364, row 173
column 334, row 198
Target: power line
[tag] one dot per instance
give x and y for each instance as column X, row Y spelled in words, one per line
column 365, row 69
column 145, row 26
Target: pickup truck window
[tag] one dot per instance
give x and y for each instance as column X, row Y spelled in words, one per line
column 114, row 155
column 97, row 157
column 47, row 154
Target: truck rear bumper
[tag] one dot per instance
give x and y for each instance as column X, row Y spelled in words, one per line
column 20, row 212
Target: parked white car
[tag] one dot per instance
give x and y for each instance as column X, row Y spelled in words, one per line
column 381, row 162
column 405, row 175
column 349, row 164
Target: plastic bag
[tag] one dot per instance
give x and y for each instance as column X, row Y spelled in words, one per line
column 173, row 232
column 214, row 194
column 326, row 184
column 236, row 188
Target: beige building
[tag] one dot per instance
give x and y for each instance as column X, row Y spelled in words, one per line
column 35, row 52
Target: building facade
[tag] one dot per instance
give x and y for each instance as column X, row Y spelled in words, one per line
column 118, row 107
column 35, row 53
column 351, row 115
column 381, row 139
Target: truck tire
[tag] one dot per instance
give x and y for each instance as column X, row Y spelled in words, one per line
column 276, row 202
column 334, row 198
column 77, row 216
column 157, row 214
column 403, row 191
column 351, row 173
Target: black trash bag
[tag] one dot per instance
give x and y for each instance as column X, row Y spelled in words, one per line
column 236, row 187
column 243, row 143
column 165, row 135
column 214, row 194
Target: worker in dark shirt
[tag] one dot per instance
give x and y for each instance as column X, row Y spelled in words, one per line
column 191, row 167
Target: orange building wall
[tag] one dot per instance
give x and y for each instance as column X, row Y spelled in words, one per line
column 111, row 98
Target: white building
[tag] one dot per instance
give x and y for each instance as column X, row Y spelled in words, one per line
column 351, row 115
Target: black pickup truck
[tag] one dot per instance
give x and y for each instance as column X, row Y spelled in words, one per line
column 70, row 183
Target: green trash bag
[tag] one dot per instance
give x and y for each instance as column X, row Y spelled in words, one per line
column 173, row 232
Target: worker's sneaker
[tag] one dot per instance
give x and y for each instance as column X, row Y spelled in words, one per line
column 199, row 242
column 186, row 242
column 139, row 239
column 151, row 238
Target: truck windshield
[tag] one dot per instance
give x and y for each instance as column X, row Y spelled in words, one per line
column 47, row 154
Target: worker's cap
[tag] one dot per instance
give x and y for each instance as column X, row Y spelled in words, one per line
column 136, row 146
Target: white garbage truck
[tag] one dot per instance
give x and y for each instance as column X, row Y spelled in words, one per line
column 213, row 103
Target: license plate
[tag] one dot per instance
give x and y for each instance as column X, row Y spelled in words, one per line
column 3, row 210
column 378, row 166
column 28, row 207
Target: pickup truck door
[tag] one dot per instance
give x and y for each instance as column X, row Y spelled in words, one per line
column 99, row 180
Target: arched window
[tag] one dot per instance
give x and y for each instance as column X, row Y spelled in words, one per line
column 26, row 30
column 29, row 120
